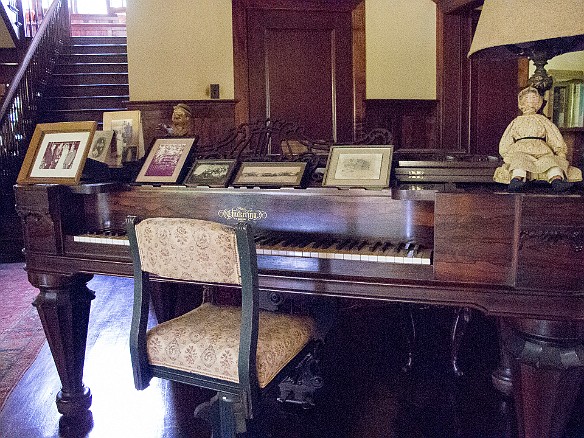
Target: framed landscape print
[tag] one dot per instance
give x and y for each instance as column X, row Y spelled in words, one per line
column 358, row 166
column 57, row 153
column 212, row 173
column 166, row 160
column 267, row 174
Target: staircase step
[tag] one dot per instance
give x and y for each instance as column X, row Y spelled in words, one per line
column 87, row 90
column 95, row 67
column 73, row 58
column 89, row 78
column 96, row 48
column 83, row 103
column 87, row 40
column 77, row 115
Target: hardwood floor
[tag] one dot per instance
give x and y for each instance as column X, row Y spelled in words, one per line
column 365, row 394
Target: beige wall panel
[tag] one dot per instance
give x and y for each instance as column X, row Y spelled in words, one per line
column 400, row 49
column 177, row 48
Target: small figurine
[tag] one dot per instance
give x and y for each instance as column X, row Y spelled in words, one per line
column 532, row 148
column 182, row 122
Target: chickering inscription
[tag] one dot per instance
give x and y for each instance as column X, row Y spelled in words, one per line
column 242, row 214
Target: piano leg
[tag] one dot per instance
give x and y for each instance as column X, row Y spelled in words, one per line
column 547, row 368
column 63, row 306
column 461, row 320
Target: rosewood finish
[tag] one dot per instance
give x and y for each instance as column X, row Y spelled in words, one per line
column 514, row 256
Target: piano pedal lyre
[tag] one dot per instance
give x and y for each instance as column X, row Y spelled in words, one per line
column 299, row 387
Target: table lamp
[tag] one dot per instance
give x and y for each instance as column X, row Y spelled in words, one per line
column 537, row 29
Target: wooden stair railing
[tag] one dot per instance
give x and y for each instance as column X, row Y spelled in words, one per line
column 19, row 111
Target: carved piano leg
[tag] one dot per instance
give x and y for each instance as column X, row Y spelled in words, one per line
column 548, row 368
column 63, row 306
column 461, row 320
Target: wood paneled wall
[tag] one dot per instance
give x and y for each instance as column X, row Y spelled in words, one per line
column 212, row 118
column 413, row 123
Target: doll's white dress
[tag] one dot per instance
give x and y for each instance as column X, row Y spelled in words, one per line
column 533, row 143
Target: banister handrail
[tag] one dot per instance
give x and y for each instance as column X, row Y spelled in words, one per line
column 9, row 96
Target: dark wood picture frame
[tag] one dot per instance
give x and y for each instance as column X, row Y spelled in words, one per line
column 359, row 166
column 166, row 161
column 57, row 153
column 270, row 174
column 211, row 173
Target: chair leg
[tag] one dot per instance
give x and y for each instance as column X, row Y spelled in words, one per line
column 225, row 413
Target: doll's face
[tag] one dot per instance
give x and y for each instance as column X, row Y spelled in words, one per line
column 530, row 102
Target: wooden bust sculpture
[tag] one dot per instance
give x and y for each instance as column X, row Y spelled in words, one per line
column 182, row 120
column 533, row 148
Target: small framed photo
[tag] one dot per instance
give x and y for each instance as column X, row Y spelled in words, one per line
column 57, row 153
column 166, row 160
column 267, row 174
column 103, row 147
column 212, row 173
column 129, row 136
column 366, row 166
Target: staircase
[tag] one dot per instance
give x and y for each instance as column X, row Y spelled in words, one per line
column 90, row 78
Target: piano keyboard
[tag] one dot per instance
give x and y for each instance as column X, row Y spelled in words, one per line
column 307, row 246
column 103, row 238
column 344, row 249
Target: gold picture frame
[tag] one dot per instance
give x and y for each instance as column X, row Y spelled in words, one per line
column 366, row 166
column 57, row 153
column 270, row 174
column 166, row 160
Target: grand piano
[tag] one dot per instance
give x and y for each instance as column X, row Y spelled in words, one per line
column 517, row 257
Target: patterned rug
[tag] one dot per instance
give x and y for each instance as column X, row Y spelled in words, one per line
column 21, row 333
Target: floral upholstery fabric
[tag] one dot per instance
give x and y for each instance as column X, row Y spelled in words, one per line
column 189, row 249
column 206, row 341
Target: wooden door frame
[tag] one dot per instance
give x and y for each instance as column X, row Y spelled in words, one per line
column 240, row 48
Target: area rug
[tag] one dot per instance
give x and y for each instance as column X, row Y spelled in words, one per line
column 21, row 333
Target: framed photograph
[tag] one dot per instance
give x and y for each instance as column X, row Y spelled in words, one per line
column 103, row 147
column 57, row 153
column 358, row 166
column 266, row 174
column 166, row 160
column 212, row 173
column 129, row 136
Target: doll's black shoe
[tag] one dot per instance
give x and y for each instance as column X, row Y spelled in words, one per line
column 516, row 185
column 561, row 185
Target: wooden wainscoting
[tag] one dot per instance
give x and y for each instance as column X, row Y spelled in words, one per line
column 212, row 118
column 412, row 122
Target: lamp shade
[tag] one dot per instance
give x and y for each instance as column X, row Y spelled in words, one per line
column 506, row 27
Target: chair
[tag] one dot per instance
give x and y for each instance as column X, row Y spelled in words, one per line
column 238, row 351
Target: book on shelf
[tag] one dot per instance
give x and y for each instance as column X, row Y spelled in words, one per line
column 565, row 101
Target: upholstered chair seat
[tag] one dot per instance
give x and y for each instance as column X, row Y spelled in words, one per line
column 206, row 341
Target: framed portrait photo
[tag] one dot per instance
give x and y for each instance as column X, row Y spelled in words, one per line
column 267, row 174
column 358, row 166
column 57, row 153
column 129, row 136
column 212, row 173
column 103, row 147
column 166, row 160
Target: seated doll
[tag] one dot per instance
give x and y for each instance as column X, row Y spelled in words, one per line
column 532, row 148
